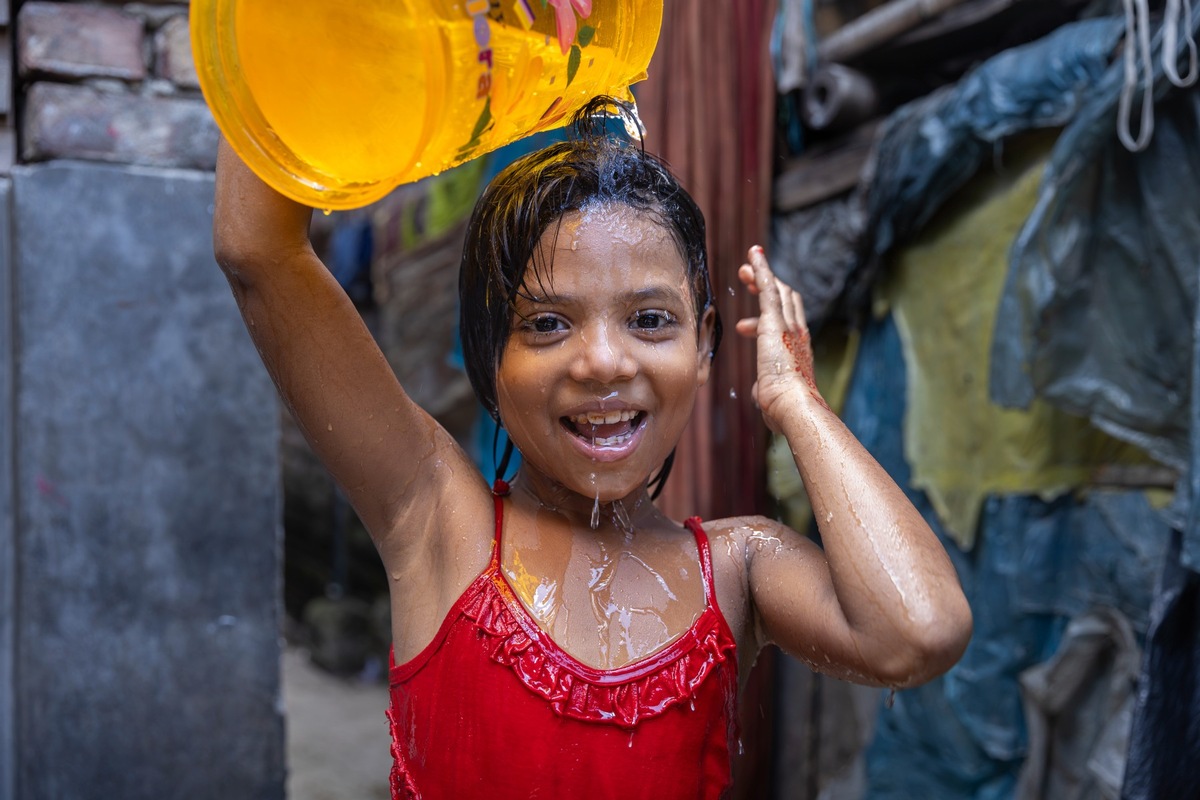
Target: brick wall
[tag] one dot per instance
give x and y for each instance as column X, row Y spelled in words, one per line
column 110, row 82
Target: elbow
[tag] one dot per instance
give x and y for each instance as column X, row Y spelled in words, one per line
column 235, row 273
column 932, row 650
column 238, row 259
column 226, row 259
column 231, row 254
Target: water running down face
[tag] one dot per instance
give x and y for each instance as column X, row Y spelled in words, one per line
column 600, row 373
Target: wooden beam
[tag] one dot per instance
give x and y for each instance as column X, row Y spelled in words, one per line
column 879, row 26
column 824, row 173
column 965, row 16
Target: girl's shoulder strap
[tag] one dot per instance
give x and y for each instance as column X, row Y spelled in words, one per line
column 696, row 526
column 500, row 489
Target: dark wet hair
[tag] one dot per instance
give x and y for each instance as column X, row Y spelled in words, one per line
column 594, row 166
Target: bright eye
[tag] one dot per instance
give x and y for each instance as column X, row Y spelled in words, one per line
column 544, row 324
column 652, row 320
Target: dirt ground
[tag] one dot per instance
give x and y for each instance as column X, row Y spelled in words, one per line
column 338, row 746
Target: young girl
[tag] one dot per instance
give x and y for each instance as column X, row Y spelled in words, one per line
column 557, row 635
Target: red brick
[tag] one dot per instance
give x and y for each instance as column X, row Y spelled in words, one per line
column 78, row 41
column 67, row 121
column 173, row 53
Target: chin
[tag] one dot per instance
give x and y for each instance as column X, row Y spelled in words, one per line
column 608, row 492
column 608, row 487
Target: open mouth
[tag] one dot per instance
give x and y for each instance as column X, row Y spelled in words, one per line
column 605, row 428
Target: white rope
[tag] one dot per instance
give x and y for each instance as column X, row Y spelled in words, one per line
column 1137, row 60
column 1171, row 27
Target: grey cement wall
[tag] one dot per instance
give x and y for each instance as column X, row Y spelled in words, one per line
column 8, row 592
column 146, row 495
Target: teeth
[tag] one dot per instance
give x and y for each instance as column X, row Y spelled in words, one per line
column 603, row 417
column 609, row 441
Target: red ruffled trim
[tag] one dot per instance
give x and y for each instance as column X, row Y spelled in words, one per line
column 623, row 696
column 401, row 781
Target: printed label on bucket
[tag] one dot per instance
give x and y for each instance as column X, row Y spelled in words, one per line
column 572, row 34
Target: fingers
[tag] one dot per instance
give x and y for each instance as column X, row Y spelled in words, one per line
column 747, row 327
column 791, row 304
column 798, row 309
column 764, row 279
column 780, row 305
column 787, row 305
column 746, row 276
column 772, row 301
column 770, row 319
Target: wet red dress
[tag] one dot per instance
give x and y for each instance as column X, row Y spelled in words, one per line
column 493, row 708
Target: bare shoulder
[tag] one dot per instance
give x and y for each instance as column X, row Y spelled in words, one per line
column 763, row 567
column 734, row 542
column 741, row 539
column 743, row 528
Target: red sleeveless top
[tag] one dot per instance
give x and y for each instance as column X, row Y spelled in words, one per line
column 493, row 708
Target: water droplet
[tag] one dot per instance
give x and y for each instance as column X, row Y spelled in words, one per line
column 741, row 748
column 731, row 292
column 631, row 738
column 327, row 211
column 890, row 700
column 733, row 394
column 622, row 517
column 634, row 127
column 692, row 703
column 596, row 513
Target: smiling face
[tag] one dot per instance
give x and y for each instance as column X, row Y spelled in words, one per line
column 605, row 357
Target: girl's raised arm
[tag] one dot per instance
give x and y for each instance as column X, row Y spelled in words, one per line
column 381, row 447
column 882, row 603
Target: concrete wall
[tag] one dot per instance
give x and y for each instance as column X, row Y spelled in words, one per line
column 139, row 473
column 146, row 498
column 8, row 586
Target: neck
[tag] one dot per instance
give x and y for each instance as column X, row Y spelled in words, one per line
column 625, row 514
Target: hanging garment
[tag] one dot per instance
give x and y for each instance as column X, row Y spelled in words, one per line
column 1097, row 310
column 943, row 288
column 1078, row 707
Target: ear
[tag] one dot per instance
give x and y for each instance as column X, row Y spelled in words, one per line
column 704, row 345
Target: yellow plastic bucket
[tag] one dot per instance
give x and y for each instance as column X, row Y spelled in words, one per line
column 336, row 102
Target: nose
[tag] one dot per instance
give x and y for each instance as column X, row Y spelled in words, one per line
column 604, row 356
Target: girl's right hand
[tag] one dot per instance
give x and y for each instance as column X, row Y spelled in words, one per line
column 785, row 356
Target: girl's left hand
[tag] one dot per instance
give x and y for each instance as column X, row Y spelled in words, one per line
column 785, row 356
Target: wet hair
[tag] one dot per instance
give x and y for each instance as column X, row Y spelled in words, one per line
column 594, row 167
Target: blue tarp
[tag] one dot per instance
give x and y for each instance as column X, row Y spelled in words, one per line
column 1098, row 318
column 1165, row 740
column 1038, row 564
column 1097, row 313
column 927, row 150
